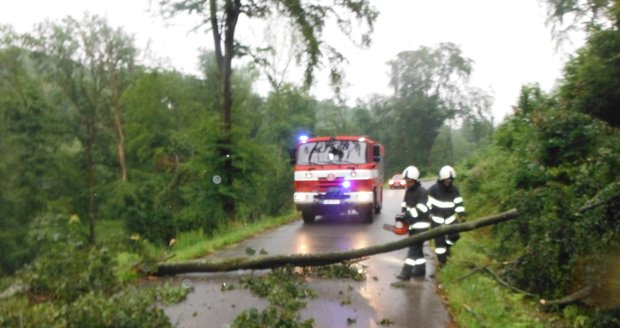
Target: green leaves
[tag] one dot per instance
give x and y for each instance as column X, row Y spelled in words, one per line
column 591, row 78
column 553, row 164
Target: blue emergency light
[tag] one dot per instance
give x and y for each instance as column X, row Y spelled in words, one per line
column 302, row 138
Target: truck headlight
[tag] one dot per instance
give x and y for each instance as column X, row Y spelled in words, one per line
column 364, row 196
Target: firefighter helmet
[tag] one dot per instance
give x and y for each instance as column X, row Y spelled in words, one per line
column 447, row 172
column 411, row 172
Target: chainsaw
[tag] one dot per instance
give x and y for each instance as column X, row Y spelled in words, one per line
column 400, row 228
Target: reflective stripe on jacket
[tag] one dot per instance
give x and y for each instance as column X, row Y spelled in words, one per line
column 415, row 206
column 444, row 202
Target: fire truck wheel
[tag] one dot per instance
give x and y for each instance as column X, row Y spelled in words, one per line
column 377, row 204
column 308, row 216
column 368, row 214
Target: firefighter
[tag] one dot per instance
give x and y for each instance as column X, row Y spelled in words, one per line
column 446, row 207
column 415, row 216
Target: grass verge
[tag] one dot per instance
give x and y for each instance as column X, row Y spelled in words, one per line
column 475, row 299
column 194, row 244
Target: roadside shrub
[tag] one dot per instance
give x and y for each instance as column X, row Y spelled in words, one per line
column 147, row 210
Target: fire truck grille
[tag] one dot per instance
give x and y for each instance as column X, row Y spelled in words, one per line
column 325, row 184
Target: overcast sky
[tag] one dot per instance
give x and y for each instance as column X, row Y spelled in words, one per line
column 507, row 40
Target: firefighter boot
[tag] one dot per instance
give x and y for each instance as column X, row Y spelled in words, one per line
column 405, row 273
column 419, row 270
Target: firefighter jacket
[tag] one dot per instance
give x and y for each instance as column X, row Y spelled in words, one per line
column 416, row 209
column 445, row 203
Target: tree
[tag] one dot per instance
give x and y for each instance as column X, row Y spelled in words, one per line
column 158, row 107
column 332, row 118
column 309, row 19
column 88, row 61
column 30, row 138
column 428, row 89
column 591, row 78
column 443, row 151
column 430, row 72
column 117, row 54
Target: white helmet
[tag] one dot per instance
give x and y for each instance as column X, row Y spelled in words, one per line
column 447, row 172
column 411, row 172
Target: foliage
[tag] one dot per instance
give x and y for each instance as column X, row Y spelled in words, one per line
column 573, row 15
column 76, row 71
column 591, row 78
column 34, row 144
column 284, row 289
column 159, row 105
column 556, row 167
column 270, row 317
column 287, row 113
column 129, row 308
column 281, row 287
column 63, row 275
column 146, row 209
column 125, row 269
column 167, row 294
column 443, row 149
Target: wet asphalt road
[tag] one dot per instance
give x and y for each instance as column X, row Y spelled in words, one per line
column 340, row 302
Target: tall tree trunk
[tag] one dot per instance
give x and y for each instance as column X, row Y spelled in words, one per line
column 90, row 137
column 118, row 120
column 118, row 125
column 224, row 61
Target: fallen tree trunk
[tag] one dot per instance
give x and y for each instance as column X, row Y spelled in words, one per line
column 268, row 262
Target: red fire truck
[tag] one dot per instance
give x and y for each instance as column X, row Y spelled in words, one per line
column 334, row 175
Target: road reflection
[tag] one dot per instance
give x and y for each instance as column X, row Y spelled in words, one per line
column 323, row 237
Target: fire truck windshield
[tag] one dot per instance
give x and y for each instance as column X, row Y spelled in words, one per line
column 332, row 152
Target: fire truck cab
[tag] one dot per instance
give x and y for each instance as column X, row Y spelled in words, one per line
column 334, row 175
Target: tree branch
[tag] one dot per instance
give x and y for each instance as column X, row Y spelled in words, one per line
column 604, row 196
column 506, row 284
column 568, row 299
